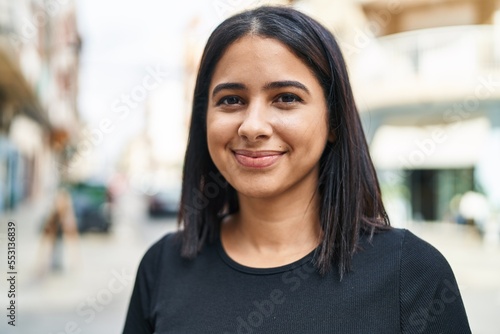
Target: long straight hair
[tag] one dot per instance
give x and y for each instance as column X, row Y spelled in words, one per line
column 350, row 198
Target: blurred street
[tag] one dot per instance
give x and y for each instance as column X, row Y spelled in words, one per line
column 92, row 294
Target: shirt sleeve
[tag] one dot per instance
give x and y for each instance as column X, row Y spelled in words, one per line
column 430, row 301
column 139, row 316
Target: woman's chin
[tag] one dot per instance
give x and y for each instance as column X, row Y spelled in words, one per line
column 258, row 191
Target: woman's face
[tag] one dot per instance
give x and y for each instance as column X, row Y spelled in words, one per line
column 266, row 119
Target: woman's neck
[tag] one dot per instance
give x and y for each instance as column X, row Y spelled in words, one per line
column 269, row 232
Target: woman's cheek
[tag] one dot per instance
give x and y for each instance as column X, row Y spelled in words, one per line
column 220, row 133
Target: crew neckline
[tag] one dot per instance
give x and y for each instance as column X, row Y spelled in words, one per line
column 261, row 271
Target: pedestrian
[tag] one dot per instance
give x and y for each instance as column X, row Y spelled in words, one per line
column 283, row 229
column 59, row 229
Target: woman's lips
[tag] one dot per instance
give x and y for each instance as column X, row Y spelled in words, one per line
column 257, row 159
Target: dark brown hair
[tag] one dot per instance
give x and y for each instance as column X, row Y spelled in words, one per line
column 350, row 199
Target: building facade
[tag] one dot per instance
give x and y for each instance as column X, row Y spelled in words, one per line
column 427, row 81
column 39, row 53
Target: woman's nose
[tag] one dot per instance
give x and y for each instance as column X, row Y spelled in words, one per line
column 255, row 124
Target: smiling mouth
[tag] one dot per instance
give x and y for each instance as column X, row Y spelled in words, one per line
column 257, row 159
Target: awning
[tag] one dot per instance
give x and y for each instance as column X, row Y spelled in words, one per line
column 457, row 145
column 15, row 90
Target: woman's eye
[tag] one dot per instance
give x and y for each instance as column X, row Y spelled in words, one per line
column 229, row 100
column 288, row 98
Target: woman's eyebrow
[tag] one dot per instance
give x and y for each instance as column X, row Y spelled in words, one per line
column 286, row 83
column 227, row 85
column 267, row 86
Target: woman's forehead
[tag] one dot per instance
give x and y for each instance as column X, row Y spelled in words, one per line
column 258, row 58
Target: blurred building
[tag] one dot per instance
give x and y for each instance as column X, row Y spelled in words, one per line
column 39, row 52
column 426, row 76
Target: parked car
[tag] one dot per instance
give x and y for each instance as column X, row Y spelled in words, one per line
column 92, row 206
column 166, row 202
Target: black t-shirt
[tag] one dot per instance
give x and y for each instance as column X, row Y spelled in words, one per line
column 399, row 284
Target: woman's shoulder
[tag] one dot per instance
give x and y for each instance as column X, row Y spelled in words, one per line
column 166, row 246
column 400, row 248
column 430, row 300
column 408, row 243
column 417, row 252
column 429, row 296
column 164, row 250
column 423, row 264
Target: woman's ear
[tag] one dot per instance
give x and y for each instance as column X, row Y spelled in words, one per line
column 331, row 136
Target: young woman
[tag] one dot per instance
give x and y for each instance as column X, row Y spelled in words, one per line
column 283, row 227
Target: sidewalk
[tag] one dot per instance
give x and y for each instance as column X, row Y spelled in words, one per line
column 28, row 219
